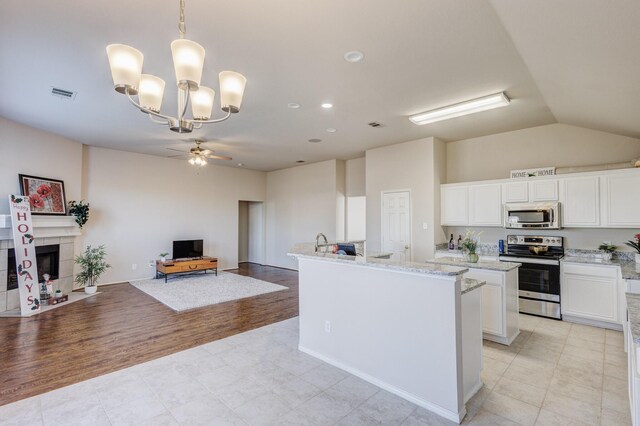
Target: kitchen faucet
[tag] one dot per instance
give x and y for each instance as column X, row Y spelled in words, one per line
column 318, row 237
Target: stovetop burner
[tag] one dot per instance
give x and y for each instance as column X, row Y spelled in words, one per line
column 523, row 246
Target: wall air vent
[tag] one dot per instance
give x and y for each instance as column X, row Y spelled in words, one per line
column 375, row 124
column 63, row 94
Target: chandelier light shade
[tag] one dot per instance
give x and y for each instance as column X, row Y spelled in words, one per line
column 126, row 67
column 231, row 90
column 151, row 92
column 202, row 103
column 188, row 62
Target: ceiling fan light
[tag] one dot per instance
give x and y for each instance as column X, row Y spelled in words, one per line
column 203, row 162
column 463, row 108
column 126, row 67
column 202, row 103
column 232, row 86
column 151, row 92
column 192, row 161
column 188, row 60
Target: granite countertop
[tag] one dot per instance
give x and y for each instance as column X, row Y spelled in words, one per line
column 469, row 284
column 630, row 270
column 488, row 265
column 483, row 249
column 633, row 307
column 302, row 251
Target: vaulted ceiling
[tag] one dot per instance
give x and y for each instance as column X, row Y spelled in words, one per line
column 570, row 61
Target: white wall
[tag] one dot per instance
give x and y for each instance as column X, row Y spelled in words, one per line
column 29, row 151
column 412, row 165
column 559, row 145
column 141, row 203
column 355, row 177
column 301, row 201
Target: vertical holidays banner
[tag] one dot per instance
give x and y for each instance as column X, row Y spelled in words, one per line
column 25, row 248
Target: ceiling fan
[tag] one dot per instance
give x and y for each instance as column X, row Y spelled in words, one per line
column 199, row 155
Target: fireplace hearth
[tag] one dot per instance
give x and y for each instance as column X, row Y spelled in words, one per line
column 47, row 259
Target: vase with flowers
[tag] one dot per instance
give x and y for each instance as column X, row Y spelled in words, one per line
column 635, row 244
column 470, row 245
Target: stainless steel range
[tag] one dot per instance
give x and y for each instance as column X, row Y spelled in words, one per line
column 539, row 275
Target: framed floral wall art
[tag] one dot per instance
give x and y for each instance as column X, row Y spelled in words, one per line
column 46, row 196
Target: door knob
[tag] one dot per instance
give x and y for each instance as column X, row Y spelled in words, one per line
column 406, row 247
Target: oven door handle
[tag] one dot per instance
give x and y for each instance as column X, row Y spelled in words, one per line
column 530, row 260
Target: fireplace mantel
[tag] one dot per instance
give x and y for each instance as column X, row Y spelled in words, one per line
column 44, row 226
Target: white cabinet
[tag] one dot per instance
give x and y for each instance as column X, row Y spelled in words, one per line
column 621, row 200
column 633, row 377
column 485, row 205
column 454, row 205
column 580, row 202
column 590, row 292
column 533, row 191
column 544, row 190
column 492, row 313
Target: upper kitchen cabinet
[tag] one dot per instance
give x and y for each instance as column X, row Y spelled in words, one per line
column 454, row 205
column 485, row 205
column 621, row 200
column 580, row 202
column 531, row 192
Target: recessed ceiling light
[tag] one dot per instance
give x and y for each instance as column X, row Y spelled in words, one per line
column 315, row 140
column 353, row 56
column 327, row 106
column 331, row 130
column 463, row 108
column 300, row 161
column 240, row 164
column 293, row 105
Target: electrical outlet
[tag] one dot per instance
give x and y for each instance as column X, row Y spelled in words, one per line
column 327, row 326
column 151, row 264
column 134, row 266
column 425, row 225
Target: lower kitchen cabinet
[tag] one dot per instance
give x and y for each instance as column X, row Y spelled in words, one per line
column 591, row 294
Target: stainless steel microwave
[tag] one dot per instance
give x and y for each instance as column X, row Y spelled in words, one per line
column 532, row 216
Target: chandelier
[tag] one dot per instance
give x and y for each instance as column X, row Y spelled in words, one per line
column 188, row 60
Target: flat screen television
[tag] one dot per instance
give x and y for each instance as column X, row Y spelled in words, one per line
column 187, row 248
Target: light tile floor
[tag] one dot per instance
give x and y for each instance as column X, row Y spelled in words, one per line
column 555, row 373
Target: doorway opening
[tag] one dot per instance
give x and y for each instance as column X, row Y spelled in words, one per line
column 251, row 232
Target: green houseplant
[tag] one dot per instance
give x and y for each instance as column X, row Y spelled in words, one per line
column 607, row 249
column 92, row 263
column 163, row 257
column 470, row 245
column 636, row 246
column 80, row 210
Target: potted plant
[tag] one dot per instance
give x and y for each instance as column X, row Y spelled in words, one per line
column 80, row 211
column 636, row 246
column 92, row 264
column 163, row 257
column 469, row 245
column 607, row 250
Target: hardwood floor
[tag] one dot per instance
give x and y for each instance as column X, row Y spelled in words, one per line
column 122, row 327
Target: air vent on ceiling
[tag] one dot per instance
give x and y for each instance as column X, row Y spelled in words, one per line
column 62, row 93
column 374, row 124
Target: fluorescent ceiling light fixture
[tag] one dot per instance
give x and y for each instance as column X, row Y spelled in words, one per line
column 463, row 108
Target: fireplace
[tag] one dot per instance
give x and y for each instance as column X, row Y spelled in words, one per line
column 47, row 259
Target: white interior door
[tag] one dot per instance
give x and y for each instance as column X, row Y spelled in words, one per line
column 396, row 224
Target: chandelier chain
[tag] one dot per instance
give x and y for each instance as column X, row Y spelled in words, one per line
column 181, row 25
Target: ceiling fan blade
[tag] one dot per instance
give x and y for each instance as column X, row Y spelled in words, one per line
column 177, row 150
column 218, row 157
column 206, row 152
column 178, row 156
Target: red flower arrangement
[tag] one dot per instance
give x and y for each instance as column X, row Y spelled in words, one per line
column 635, row 244
column 36, row 201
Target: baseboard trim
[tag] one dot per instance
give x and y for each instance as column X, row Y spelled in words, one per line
column 594, row 323
column 443, row 412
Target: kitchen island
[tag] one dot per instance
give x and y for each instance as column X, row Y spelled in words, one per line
column 405, row 327
column 499, row 296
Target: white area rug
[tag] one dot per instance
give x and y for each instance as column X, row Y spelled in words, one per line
column 189, row 292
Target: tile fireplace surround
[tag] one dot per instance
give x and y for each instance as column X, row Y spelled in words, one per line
column 48, row 230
